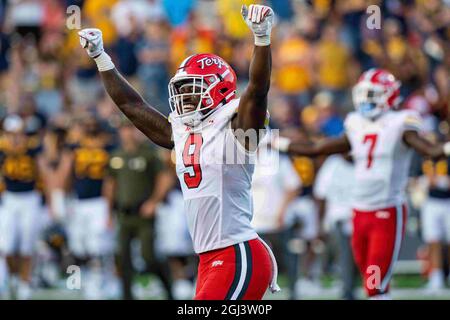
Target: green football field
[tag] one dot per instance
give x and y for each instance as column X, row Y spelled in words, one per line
column 404, row 287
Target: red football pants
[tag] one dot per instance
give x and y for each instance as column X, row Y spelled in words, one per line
column 239, row 272
column 376, row 242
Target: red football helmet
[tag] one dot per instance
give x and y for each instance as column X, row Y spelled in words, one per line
column 377, row 90
column 202, row 83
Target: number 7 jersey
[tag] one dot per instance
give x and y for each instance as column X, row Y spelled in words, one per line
column 382, row 159
column 215, row 173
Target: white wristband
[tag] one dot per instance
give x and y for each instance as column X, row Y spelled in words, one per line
column 282, row 144
column 104, row 62
column 446, row 148
column 262, row 41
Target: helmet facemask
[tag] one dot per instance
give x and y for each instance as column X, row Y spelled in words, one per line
column 370, row 99
column 190, row 99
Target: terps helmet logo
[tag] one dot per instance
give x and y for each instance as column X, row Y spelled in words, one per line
column 383, row 214
column 386, row 77
column 209, row 61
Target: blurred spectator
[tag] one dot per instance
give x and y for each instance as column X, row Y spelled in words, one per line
column 19, row 221
column 333, row 64
column 230, row 13
column 125, row 49
column 131, row 15
column 27, row 17
column 282, row 115
column 54, row 185
column 153, row 64
column 331, row 124
column 83, row 164
column 97, row 14
column 423, row 99
column 4, row 47
column 302, row 226
column 179, row 251
column 53, row 16
column 283, row 8
column 333, row 189
column 192, row 38
column 178, row 11
column 435, row 176
column 134, row 188
column 275, row 185
column 35, row 121
column 293, row 73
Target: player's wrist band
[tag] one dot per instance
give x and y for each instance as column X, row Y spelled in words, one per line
column 104, row 62
column 282, row 144
column 446, row 148
column 262, row 41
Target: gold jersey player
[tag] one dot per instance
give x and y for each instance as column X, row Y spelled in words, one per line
column 84, row 165
column 381, row 140
column 207, row 120
column 21, row 204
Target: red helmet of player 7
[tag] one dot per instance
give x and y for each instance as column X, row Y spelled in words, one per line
column 377, row 90
column 202, row 84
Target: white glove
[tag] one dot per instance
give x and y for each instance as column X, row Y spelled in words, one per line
column 260, row 19
column 92, row 40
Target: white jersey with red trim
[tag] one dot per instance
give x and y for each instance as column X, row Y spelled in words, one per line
column 215, row 172
column 381, row 157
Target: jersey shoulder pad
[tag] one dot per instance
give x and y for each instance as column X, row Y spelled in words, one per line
column 411, row 120
column 227, row 111
column 352, row 120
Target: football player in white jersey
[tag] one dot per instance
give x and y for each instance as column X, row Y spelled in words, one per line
column 206, row 123
column 381, row 141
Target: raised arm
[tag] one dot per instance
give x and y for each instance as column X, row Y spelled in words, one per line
column 425, row 147
column 311, row 149
column 252, row 110
column 147, row 119
column 253, row 104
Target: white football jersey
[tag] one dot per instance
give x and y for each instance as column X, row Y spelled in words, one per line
column 269, row 189
column 335, row 183
column 215, row 172
column 382, row 159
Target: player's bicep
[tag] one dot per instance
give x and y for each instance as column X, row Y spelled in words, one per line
column 412, row 139
column 249, row 132
column 252, row 111
column 424, row 147
column 253, row 102
column 147, row 119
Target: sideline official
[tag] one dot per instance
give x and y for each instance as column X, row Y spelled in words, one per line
column 134, row 188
